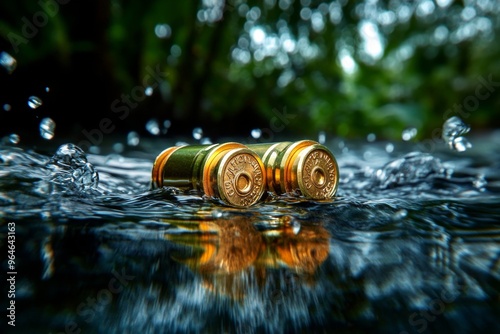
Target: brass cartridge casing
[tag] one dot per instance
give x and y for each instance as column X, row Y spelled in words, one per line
column 228, row 171
column 304, row 166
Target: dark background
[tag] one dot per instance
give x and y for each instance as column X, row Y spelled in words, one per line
column 224, row 75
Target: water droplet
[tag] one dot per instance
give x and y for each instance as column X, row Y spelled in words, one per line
column 389, row 148
column 71, row 171
column 175, row 50
column 205, row 141
column 47, row 128
column 8, row 62
column 460, row 144
column 181, row 143
column 167, row 124
column 409, row 134
column 148, row 91
column 94, row 149
column 163, row 30
column 321, row 137
column 153, row 127
column 118, row 147
column 197, row 133
column 34, row 102
column 47, row 89
column 367, row 155
column 453, row 129
column 256, row 133
column 133, row 138
column 7, row 107
column 371, row 137
column 14, row 138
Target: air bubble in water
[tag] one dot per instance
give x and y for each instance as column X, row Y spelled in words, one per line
column 453, row 129
column 133, row 138
column 34, row 102
column 71, row 171
column 148, row 91
column 153, row 127
column 7, row 107
column 409, row 134
column 389, row 148
column 14, row 138
column 371, row 137
column 197, row 133
column 47, row 128
column 8, row 62
column 256, row 133
column 321, row 137
column 205, row 141
column 47, row 89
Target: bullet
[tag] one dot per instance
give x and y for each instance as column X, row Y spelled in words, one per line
column 304, row 167
column 229, row 171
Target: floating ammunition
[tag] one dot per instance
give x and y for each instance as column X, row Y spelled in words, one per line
column 229, row 171
column 305, row 167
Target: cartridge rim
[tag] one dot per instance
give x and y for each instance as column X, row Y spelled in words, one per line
column 289, row 180
column 317, row 172
column 240, row 178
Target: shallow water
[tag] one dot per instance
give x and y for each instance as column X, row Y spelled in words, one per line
column 410, row 244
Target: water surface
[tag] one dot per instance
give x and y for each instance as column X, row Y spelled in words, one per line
column 410, row 244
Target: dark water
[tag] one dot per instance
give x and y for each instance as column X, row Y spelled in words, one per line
column 410, row 244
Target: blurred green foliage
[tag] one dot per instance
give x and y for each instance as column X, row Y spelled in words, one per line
column 348, row 68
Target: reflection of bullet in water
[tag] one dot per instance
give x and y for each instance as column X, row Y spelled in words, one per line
column 229, row 171
column 306, row 250
column 236, row 255
column 230, row 247
column 304, row 166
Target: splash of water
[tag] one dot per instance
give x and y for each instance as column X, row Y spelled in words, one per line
column 411, row 168
column 453, row 130
column 71, row 172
